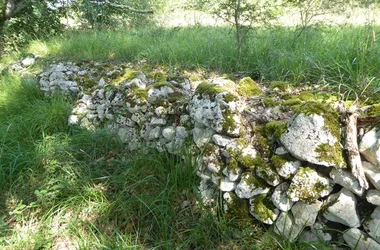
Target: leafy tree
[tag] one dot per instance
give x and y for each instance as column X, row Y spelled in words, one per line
column 21, row 20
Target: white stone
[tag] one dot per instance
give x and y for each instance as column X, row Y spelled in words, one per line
column 281, row 151
column 160, row 111
column 372, row 226
column 289, row 169
column 341, row 208
column 226, row 185
column 372, row 173
column 207, row 192
column 232, row 174
column 158, row 121
column 202, row 136
column 347, row 180
column 286, row 227
column 280, row 199
column 154, row 133
column 305, row 133
column 168, row 133
column 73, row 120
column 369, row 146
column 308, row 185
column 221, row 140
column 161, row 92
column 28, row 61
column 359, row 240
column 249, row 187
column 373, row 197
column 181, row 132
column 305, row 214
column 268, row 175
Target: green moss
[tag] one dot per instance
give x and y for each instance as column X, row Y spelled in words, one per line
column 374, row 110
column 229, row 124
column 263, row 207
column 275, row 129
column 134, row 94
column 331, row 117
column 292, row 102
column 194, row 78
column 158, row 76
column 238, row 209
column 88, row 83
column 127, row 76
column 250, row 179
column 209, row 89
column 306, row 97
column 286, row 96
column 265, row 171
column 162, row 84
column 331, row 154
column 248, row 88
column 209, row 149
column 228, row 97
column 279, row 85
column 270, row 102
column 175, row 96
column 263, row 145
column 162, row 102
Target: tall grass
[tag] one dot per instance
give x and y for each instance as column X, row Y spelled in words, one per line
column 334, row 55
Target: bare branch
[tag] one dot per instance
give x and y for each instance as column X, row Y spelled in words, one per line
column 123, row 6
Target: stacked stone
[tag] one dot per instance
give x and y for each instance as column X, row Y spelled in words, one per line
column 300, row 182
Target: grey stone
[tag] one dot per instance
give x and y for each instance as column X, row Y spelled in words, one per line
column 226, row 185
column 305, row 214
column 280, row 199
column 359, row 240
column 28, row 61
column 281, row 151
column 373, row 197
column 181, row 132
column 372, row 225
column 305, row 134
column 249, row 187
column 347, row 180
column 308, row 185
column 341, row 208
column 286, row 227
column 202, row 136
column 372, row 173
column 288, row 169
column 369, row 146
column 221, row 140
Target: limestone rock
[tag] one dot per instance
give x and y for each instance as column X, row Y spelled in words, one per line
column 372, row 173
column 249, row 186
column 202, row 135
column 341, row 208
column 284, row 167
column 308, row 185
column 347, row 180
column 369, row 146
column 263, row 209
column 305, row 214
column 226, row 185
column 286, row 227
column 373, row 197
column 308, row 139
column 359, row 240
column 372, row 225
column 280, row 199
column 221, row 140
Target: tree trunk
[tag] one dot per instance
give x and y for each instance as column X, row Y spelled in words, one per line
column 238, row 29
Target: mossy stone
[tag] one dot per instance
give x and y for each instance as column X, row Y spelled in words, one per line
column 331, row 117
column 331, row 154
column 158, row 76
column 210, row 89
column 263, row 208
column 279, row 85
column 292, row 102
column 248, row 88
column 306, row 97
column 275, row 129
column 270, row 102
column 374, row 110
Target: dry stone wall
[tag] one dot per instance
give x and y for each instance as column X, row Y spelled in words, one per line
column 274, row 152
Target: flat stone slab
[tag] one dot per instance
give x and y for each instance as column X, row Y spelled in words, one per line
column 359, row 240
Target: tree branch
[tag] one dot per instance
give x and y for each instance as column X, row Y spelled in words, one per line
column 122, row 6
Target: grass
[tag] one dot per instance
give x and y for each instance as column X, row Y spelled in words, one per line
column 322, row 54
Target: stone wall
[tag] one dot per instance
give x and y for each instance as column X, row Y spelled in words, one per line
column 275, row 152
